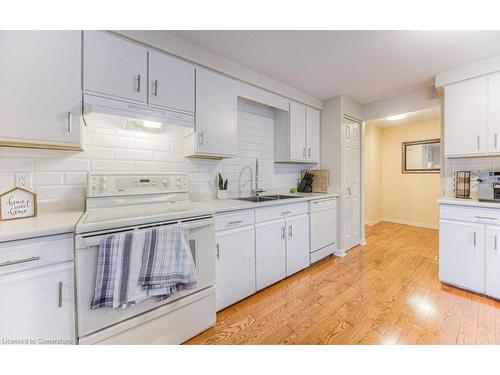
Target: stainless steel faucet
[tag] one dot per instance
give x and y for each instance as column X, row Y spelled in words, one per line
column 257, row 190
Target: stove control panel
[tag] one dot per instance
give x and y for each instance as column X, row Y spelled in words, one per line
column 115, row 184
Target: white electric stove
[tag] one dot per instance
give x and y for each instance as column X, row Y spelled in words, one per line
column 120, row 202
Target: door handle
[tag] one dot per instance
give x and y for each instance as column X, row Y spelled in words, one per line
column 138, row 83
column 60, row 287
column 475, row 243
column 349, row 190
column 495, row 245
column 283, row 233
column 69, row 122
column 155, row 85
column 290, row 231
column 286, row 213
column 478, row 142
column 235, row 222
column 217, row 254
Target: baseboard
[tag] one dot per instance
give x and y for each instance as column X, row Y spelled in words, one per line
column 373, row 222
column 412, row 223
column 340, row 253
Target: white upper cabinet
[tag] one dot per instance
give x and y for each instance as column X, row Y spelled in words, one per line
column 115, row 67
column 216, row 115
column 466, row 117
column 40, row 95
column 296, row 135
column 313, row 125
column 494, row 113
column 171, row 83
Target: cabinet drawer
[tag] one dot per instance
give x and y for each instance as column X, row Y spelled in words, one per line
column 323, row 204
column 25, row 254
column 472, row 214
column 276, row 212
column 234, row 219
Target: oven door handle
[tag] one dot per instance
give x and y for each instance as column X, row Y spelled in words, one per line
column 86, row 243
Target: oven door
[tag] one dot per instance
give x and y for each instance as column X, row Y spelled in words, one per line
column 202, row 244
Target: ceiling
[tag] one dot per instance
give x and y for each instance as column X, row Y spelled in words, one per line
column 413, row 117
column 364, row 65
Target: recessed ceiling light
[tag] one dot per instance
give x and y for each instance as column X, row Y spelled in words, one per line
column 397, row 117
column 152, row 124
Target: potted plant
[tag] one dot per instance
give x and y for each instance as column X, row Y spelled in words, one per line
column 222, row 190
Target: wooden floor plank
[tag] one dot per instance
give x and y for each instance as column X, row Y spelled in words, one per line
column 386, row 292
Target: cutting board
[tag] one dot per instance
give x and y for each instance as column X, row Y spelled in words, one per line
column 320, row 181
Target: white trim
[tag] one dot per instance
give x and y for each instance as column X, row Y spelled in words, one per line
column 373, row 222
column 340, row 253
column 464, row 72
column 412, row 223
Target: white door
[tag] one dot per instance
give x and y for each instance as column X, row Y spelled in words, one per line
column 38, row 304
column 494, row 112
column 493, row 262
column 171, row 83
column 40, row 87
column 270, row 257
column 216, row 114
column 465, row 117
column 351, row 190
column 462, row 254
column 313, row 134
column 114, row 67
column 298, row 147
column 297, row 244
column 235, row 272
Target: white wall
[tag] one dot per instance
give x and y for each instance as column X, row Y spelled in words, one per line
column 61, row 175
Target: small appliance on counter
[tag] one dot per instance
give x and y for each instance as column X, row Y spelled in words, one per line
column 489, row 186
column 462, row 184
column 306, row 183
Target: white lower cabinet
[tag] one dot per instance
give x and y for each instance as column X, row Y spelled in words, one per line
column 493, row 261
column 462, row 254
column 270, row 256
column 235, row 272
column 297, row 244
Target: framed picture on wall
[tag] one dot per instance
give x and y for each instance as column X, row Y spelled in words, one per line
column 421, row 156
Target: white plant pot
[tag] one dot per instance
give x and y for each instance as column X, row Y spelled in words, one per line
column 222, row 194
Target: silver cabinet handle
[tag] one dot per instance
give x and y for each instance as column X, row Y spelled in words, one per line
column 217, row 254
column 283, row 233
column 70, row 122
column 495, row 246
column 304, row 152
column 235, row 222
column 485, row 217
column 12, row 262
column 60, row 294
column 155, row 85
column 309, row 152
column 290, row 231
column 286, row 213
column 478, row 142
column 475, row 243
column 201, row 139
column 138, row 83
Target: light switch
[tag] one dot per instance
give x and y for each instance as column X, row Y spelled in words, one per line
column 23, row 180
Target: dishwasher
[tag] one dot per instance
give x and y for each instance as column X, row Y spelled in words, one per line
column 323, row 228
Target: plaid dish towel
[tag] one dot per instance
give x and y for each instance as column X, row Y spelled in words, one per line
column 167, row 262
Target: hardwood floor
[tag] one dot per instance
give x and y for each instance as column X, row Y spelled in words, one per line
column 386, row 292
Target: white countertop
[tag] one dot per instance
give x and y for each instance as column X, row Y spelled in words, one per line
column 234, row 204
column 45, row 224
column 473, row 202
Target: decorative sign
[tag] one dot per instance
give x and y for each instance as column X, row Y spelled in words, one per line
column 17, row 203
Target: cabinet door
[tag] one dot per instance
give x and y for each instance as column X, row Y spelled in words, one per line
column 494, row 112
column 114, row 66
column 171, row 83
column 297, row 135
column 462, row 255
column 40, row 87
column 38, row 304
column 465, row 116
column 493, row 262
column 313, row 132
column 270, row 251
column 235, row 273
column 297, row 244
column 216, row 114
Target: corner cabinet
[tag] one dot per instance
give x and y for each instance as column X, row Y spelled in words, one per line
column 297, row 135
column 41, row 96
column 215, row 134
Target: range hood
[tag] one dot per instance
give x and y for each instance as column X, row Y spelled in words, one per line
column 95, row 105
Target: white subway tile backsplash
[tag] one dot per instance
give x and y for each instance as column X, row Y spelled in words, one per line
column 126, row 154
column 112, row 165
column 47, row 179
column 154, row 166
column 111, row 141
column 29, row 152
column 91, row 153
column 154, row 144
column 61, row 164
column 75, row 178
column 7, row 180
column 8, row 164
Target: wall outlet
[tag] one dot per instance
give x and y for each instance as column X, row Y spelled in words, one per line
column 23, row 180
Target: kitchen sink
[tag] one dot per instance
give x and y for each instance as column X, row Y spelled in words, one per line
column 267, row 198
